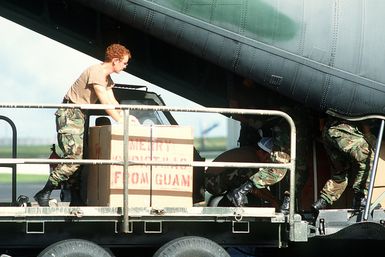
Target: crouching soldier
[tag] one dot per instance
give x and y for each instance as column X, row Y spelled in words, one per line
column 265, row 177
column 237, row 183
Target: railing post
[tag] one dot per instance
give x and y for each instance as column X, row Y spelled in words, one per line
column 14, row 155
column 126, row 113
column 374, row 171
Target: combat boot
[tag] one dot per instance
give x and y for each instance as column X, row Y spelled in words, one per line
column 76, row 199
column 42, row 197
column 266, row 195
column 319, row 205
column 359, row 201
column 285, row 203
column 238, row 196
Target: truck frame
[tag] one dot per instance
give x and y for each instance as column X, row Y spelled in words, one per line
column 201, row 231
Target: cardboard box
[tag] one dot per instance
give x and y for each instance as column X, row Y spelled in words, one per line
column 156, row 186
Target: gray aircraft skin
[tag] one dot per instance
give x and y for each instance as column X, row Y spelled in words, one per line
column 325, row 54
column 321, row 53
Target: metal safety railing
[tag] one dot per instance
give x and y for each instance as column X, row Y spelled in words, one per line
column 14, row 155
column 126, row 162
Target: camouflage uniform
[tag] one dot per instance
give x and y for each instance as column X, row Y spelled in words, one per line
column 70, row 128
column 281, row 137
column 269, row 176
column 217, row 184
column 347, row 148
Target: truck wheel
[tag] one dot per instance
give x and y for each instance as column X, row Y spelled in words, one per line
column 191, row 246
column 74, row 248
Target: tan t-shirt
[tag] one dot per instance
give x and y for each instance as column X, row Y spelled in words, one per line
column 82, row 91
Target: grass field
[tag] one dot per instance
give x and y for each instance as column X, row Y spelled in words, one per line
column 23, row 178
column 43, row 151
column 27, row 151
column 210, row 144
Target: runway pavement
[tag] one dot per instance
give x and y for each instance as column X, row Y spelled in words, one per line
column 26, row 189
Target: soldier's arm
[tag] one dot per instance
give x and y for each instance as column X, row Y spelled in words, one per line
column 106, row 96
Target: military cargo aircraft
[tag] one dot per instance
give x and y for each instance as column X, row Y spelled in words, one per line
column 322, row 55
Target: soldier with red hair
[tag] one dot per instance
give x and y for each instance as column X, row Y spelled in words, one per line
column 94, row 84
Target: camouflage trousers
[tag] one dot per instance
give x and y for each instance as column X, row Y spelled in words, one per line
column 281, row 137
column 70, row 130
column 230, row 179
column 348, row 151
column 217, row 184
column 269, row 176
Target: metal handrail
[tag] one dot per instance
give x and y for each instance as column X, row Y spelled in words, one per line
column 126, row 163
column 14, row 154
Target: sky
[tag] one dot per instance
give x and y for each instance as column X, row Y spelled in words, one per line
column 36, row 69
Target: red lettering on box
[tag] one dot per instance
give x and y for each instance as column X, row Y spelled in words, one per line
column 118, row 176
column 177, row 180
column 134, row 178
column 138, row 178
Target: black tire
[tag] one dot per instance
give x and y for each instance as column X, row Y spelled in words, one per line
column 191, row 246
column 74, row 248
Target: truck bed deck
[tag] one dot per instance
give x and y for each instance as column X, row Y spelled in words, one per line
column 41, row 226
